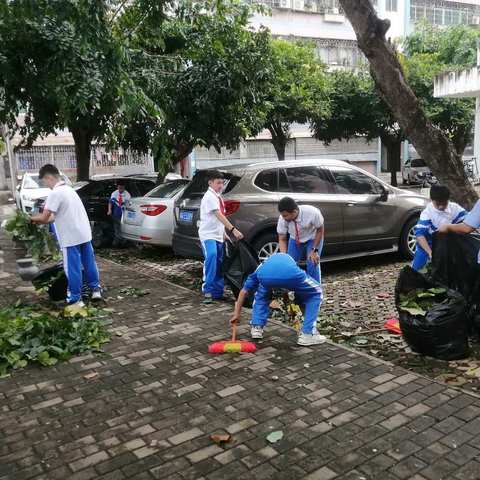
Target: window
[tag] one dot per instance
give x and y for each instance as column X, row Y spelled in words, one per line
column 167, row 190
column 199, row 184
column 309, row 180
column 418, row 162
column 268, row 180
column 351, row 181
column 391, row 5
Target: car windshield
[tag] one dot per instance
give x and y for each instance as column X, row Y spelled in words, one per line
column 199, row 184
column 419, row 163
column 33, row 181
column 167, row 190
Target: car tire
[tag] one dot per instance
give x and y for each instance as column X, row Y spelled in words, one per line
column 266, row 245
column 407, row 239
column 98, row 236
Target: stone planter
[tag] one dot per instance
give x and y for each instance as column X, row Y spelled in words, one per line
column 27, row 269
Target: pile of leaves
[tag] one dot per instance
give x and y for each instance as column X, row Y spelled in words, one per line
column 420, row 301
column 36, row 334
column 38, row 240
column 286, row 310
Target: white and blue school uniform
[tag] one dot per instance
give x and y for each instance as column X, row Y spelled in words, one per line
column 302, row 233
column 473, row 219
column 72, row 228
column 429, row 222
column 281, row 271
column 211, row 233
column 118, row 201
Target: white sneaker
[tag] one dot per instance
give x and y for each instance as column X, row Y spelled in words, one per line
column 72, row 307
column 97, row 295
column 311, row 339
column 256, row 332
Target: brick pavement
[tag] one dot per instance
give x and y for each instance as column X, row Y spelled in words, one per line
column 158, row 396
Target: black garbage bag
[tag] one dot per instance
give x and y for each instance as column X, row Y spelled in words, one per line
column 55, row 279
column 455, row 265
column 240, row 261
column 443, row 332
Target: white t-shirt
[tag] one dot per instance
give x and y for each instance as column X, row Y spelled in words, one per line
column 309, row 220
column 210, row 226
column 71, row 220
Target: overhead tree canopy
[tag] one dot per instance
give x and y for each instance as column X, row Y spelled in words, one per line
column 62, row 66
column 213, row 88
column 432, row 144
column 298, row 92
column 356, row 110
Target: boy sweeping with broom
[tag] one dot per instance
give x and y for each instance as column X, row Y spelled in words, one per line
column 280, row 271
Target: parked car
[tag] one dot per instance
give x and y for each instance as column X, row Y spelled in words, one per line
column 150, row 219
column 363, row 215
column 95, row 195
column 30, row 189
column 417, row 172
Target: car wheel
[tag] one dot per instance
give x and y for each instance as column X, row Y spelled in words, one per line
column 266, row 245
column 98, row 236
column 408, row 240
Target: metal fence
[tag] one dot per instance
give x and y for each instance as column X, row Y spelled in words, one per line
column 102, row 160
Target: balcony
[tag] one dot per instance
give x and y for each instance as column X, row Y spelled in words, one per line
column 330, row 9
column 462, row 83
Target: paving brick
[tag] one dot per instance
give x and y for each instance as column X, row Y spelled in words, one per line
column 89, row 461
column 226, row 392
column 204, row 453
column 323, row 473
column 185, row 436
column 242, row 425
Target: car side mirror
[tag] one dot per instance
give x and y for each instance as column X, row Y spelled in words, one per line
column 383, row 197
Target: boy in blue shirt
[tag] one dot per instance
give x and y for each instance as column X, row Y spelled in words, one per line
column 439, row 211
column 280, row 271
column 116, row 205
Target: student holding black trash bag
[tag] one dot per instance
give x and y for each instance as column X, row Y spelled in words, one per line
column 470, row 223
column 211, row 231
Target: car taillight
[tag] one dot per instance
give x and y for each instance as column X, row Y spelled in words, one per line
column 231, row 206
column 152, row 210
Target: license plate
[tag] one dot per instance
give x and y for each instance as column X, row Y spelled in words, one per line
column 130, row 215
column 186, row 216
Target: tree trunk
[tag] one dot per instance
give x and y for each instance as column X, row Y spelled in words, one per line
column 279, row 140
column 83, row 144
column 394, row 153
column 431, row 143
column 182, row 150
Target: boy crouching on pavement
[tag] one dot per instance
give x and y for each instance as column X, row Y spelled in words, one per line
column 439, row 211
column 280, row 271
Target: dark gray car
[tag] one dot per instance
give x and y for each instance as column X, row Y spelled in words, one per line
column 363, row 215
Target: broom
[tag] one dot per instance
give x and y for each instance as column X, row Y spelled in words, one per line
column 233, row 345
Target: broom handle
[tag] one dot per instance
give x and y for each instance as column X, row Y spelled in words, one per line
column 234, row 331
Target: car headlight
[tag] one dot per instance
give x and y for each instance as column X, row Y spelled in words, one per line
column 28, row 199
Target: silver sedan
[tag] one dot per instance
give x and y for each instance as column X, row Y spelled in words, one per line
column 150, row 219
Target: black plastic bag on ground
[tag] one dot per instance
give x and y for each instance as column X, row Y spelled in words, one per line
column 443, row 332
column 455, row 265
column 240, row 261
column 57, row 289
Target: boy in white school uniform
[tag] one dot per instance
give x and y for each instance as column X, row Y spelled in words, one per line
column 212, row 233
column 72, row 227
column 305, row 225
